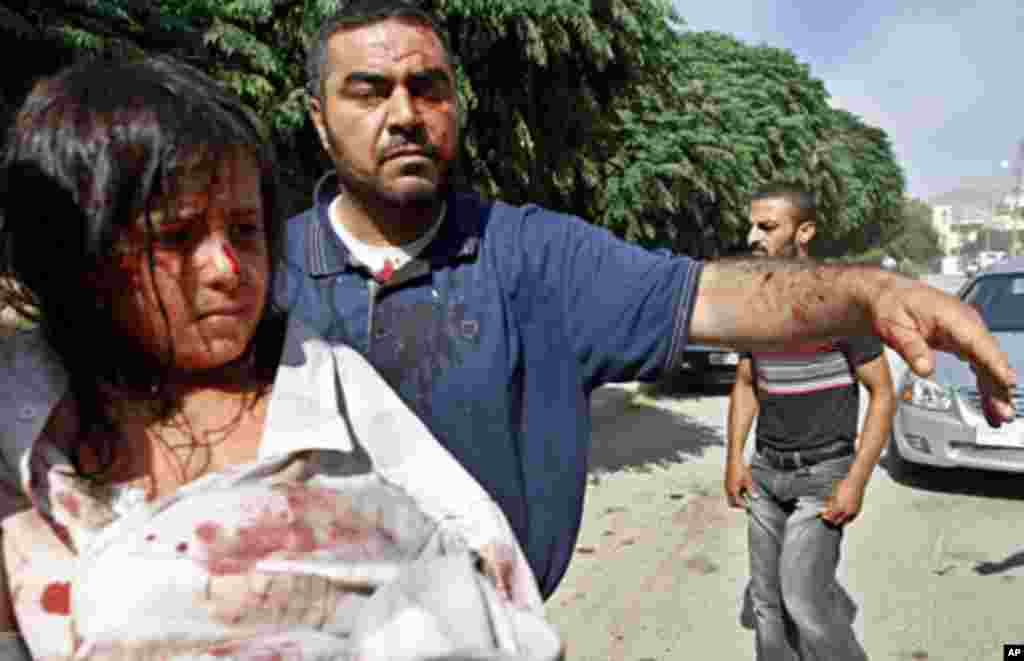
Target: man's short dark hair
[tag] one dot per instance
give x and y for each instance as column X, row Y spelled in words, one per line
column 797, row 195
column 359, row 13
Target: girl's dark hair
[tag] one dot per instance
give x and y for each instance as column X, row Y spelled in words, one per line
column 89, row 150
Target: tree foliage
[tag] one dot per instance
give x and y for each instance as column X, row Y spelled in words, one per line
column 746, row 115
column 603, row 108
column 914, row 237
column 255, row 47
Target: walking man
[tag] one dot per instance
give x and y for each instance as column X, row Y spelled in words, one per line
column 807, row 478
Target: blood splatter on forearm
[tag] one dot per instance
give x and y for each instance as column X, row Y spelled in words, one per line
column 766, row 303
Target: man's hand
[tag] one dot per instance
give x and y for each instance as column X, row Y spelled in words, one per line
column 737, row 480
column 757, row 303
column 844, row 504
column 914, row 318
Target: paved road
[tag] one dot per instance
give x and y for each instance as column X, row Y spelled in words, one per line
column 935, row 561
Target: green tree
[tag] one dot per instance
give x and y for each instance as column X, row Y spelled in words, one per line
column 603, row 108
column 746, row 115
column 870, row 182
column 255, row 47
column 914, row 237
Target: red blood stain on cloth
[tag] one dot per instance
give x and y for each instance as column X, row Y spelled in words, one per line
column 207, row 532
column 292, row 524
column 62, row 533
column 70, row 503
column 56, row 598
column 385, row 273
column 301, row 500
column 259, row 650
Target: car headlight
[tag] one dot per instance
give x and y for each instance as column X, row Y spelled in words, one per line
column 927, row 394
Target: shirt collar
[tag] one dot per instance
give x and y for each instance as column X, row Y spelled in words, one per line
column 327, row 255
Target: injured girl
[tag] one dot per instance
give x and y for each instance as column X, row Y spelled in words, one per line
column 188, row 475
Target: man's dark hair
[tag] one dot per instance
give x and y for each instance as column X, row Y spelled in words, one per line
column 797, row 195
column 359, row 13
column 91, row 150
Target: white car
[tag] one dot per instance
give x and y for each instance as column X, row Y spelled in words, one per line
column 939, row 420
column 987, row 258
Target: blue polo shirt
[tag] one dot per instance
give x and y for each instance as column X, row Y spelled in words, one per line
column 495, row 336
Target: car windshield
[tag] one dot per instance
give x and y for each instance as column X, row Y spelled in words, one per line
column 1000, row 299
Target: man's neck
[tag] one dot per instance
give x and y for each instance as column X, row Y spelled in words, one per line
column 384, row 225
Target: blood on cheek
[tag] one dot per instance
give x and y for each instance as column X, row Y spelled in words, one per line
column 440, row 132
column 132, row 265
column 445, row 144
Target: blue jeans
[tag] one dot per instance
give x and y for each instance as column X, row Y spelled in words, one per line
column 800, row 611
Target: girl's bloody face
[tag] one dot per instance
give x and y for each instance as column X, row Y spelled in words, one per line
column 210, row 268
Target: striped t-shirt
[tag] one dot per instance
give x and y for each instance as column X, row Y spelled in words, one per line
column 808, row 395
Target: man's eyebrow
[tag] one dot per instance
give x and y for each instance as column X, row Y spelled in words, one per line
column 435, row 73
column 366, row 77
column 432, row 74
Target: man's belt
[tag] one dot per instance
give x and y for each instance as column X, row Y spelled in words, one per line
column 792, row 459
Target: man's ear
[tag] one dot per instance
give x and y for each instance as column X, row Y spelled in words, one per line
column 317, row 115
column 805, row 233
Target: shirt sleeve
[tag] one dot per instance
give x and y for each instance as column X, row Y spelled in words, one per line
column 862, row 350
column 34, row 382
column 625, row 311
column 12, row 647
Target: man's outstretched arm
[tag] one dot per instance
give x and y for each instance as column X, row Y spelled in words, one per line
column 765, row 303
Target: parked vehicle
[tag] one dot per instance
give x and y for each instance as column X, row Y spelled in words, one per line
column 949, row 265
column 987, row 258
column 939, row 421
column 708, row 365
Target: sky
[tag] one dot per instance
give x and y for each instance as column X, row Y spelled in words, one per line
column 944, row 79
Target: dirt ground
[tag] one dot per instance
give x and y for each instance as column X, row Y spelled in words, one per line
column 934, row 562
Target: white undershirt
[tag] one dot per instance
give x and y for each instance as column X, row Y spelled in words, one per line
column 376, row 258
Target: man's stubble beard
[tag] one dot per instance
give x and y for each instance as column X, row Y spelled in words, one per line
column 789, row 250
column 372, row 196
